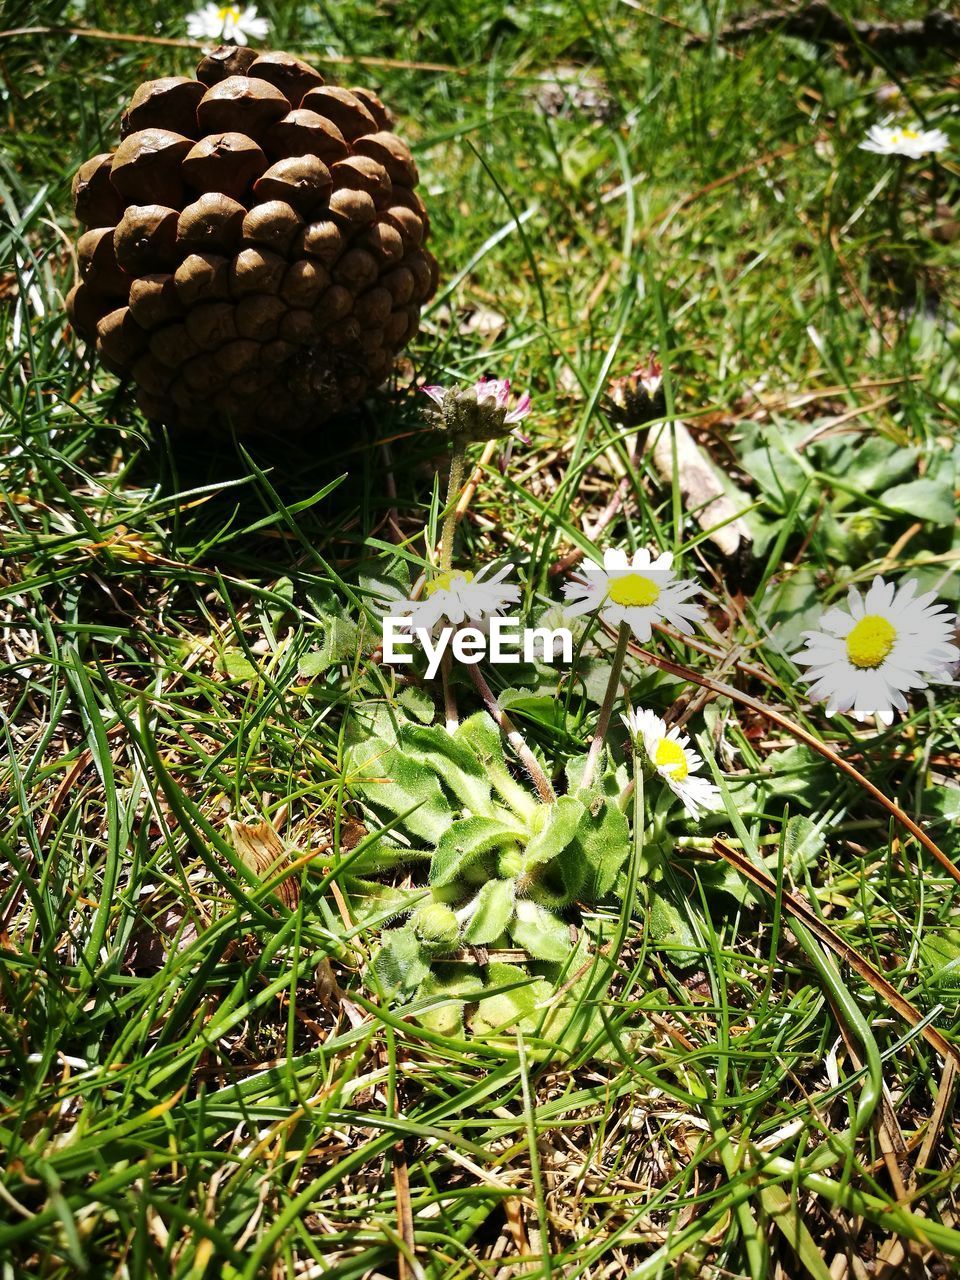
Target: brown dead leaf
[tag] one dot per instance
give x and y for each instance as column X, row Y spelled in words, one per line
column 703, row 492
column 262, row 851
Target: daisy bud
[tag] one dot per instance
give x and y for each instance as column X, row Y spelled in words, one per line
column 480, row 412
column 437, row 927
column 638, row 398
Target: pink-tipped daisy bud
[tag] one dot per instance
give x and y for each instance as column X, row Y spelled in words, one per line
column 638, row 398
column 480, row 412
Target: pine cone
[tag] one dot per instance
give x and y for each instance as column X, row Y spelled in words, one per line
column 255, row 253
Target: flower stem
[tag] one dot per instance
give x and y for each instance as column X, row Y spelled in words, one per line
column 606, row 710
column 514, row 737
column 895, row 195
column 449, row 698
column 449, row 529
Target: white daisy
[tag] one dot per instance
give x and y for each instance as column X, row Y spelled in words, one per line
column 640, row 592
column 458, row 596
column 671, row 756
column 897, row 140
column 227, row 22
column 869, row 654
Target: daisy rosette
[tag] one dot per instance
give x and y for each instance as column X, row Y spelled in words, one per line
column 230, row 23
column 867, row 656
column 669, row 754
column 478, row 412
column 460, row 597
column 641, row 591
column 900, row 140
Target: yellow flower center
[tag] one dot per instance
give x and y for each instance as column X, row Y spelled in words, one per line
column 444, row 581
column 870, row 641
column 672, row 757
column 229, row 12
column 634, row 590
column 905, row 135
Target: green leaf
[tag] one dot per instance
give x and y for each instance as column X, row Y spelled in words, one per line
column 492, row 911
column 553, row 855
column 668, row 925
column 400, row 963
column 542, row 709
column 391, row 783
column 480, row 734
column 926, row 499
column 237, row 666
column 450, row 989
column 879, row 461
column 456, row 766
column 463, row 845
column 560, row 823
column 339, row 645
column 803, row 844
column 416, row 703
column 540, row 932
column 508, row 1009
column 603, row 839
column 283, row 588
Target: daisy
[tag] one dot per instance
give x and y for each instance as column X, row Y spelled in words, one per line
column 487, row 390
column 458, row 596
column 896, row 140
column 638, row 398
column 670, row 755
column 227, row 22
column 640, row 592
column 868, row 655
column 478, row 412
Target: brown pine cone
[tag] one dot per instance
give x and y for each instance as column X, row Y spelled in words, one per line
column 255, row 247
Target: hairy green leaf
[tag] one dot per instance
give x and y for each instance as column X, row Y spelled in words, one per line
column 492, row 912
column 462, row 847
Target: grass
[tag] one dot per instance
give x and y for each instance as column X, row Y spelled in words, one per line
column 195, row 1080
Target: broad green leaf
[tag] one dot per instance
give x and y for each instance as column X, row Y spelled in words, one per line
column 509, row 1009
column 463, row 846
column 417, row 703
column 803, row 844
column 493, row 911
column 668, row 925
column 451, row 760
column 450, row 988
column 400, row 964
column 283, row 588
column 940, row 951
column 603, row 839
column 391, row 783
column 778, row 474
column 879, row 462
column 559, row 827
column 339, row 645
column 540, row 932
column 542, row 709
column 926, row 499
column 481, row 735
column 798, row 773
column 238, row 666
column 553, row 858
